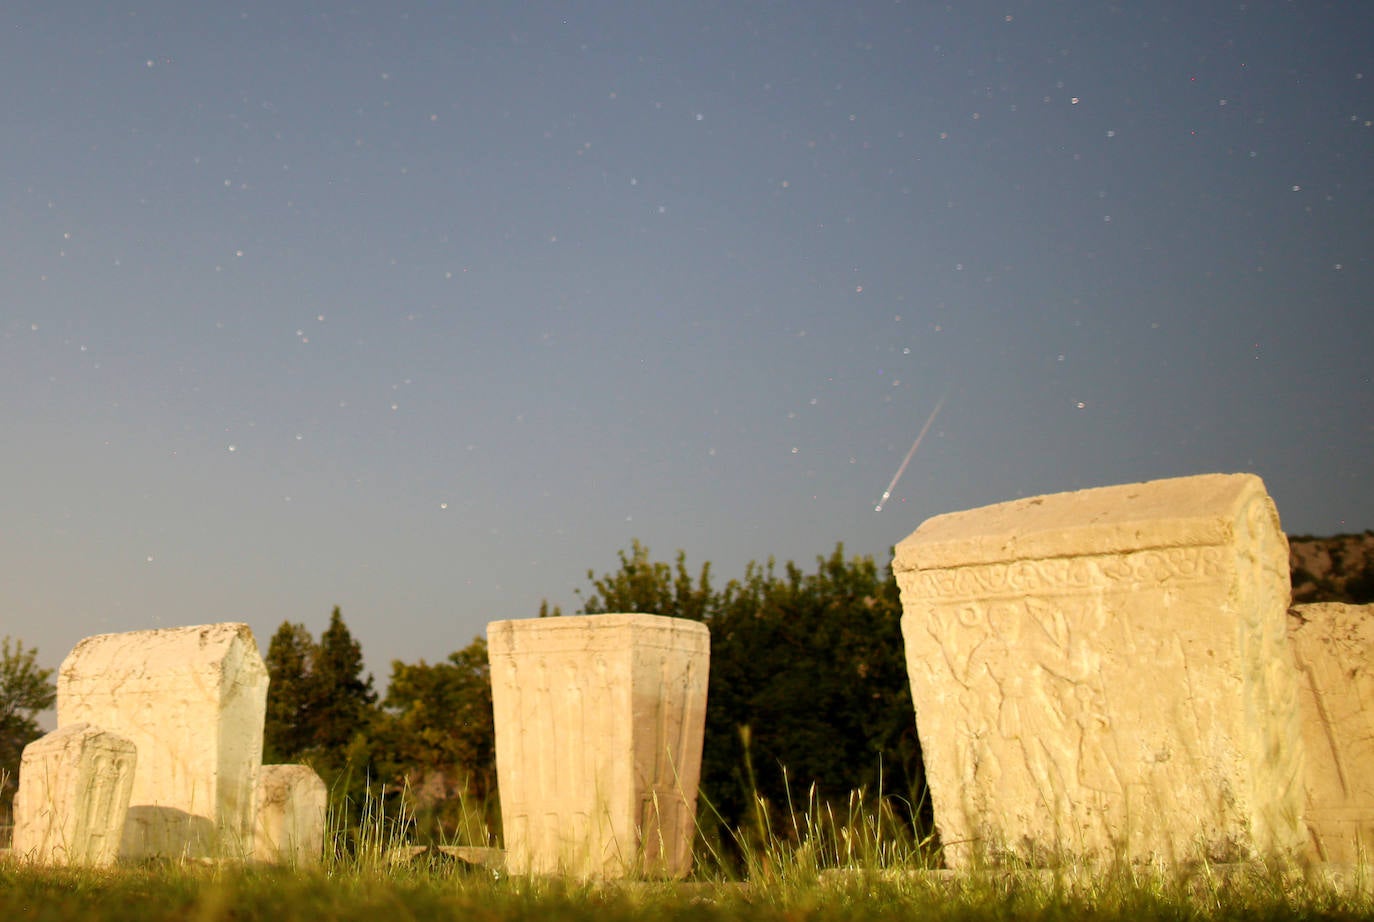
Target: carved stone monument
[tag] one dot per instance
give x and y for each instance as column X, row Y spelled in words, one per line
column 1334, row 645
column 292, row 802
column 193, row 701
column 1105, row 674
column 599, row 725
column 74, row 787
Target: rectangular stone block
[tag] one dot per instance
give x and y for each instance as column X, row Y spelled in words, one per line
column 1105, row 674
column 193, row 700
column 292, row 803
column 1334, row 646
column 599, row 726
column 73, row 797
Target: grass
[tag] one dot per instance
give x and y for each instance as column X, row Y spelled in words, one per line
column 202, row 894
column 816, row 863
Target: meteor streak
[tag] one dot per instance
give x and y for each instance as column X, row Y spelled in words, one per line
column 910, row 454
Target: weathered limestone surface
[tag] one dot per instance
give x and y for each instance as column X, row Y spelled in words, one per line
column 599, row 725
column 1334, row 645
column 1106, row 674
column 193, row 701
column 74, row 787
column 292, row 802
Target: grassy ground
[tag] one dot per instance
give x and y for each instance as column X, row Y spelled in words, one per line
column 199, row 894
column 858, row 865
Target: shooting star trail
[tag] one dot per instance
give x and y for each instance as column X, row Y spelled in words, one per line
column 910, row 454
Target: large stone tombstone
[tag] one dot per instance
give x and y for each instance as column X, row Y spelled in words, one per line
column 292, row 802
column 599, row 725
column 73, row 797
column 1105, row 675
column 193, row 701
column 1334, row 644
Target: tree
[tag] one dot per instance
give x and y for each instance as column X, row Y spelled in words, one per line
column 808, row 677
column 641, row 585
column 341, row 701
column 444, row 713
column 25, row 690
column 808, row 688
column 439, row 736
column 290, row 657
column 321, row 710
column 318, row 701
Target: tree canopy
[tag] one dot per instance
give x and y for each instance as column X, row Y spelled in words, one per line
column 290, row 659
column 319, row 703
column 25, row 690
column 807, row 688
column 431, row 740
column 436, row 736
column 808, row 678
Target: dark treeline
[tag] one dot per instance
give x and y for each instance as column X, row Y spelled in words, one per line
column 426, row 749
column 808, row 699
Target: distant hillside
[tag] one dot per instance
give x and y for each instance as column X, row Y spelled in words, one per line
column 1335, row 569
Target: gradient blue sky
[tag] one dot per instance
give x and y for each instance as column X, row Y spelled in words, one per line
column 425, row 309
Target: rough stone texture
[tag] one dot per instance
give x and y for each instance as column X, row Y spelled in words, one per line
column 292, row 802
column 74, row 787
column 1105, row 674
column 193, row 701
column 599, row 724
column 1334, row 645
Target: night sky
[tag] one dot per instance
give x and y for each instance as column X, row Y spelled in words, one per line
column 424, row 310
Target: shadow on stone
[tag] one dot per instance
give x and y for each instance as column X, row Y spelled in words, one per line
column 166, row 832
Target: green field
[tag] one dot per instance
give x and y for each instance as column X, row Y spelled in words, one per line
column 812, row 863
column 452, row 892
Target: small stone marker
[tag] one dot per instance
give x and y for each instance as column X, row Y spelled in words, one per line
column 599, row 725
column 74, row 786
column 193, row 700
column 1334, row 645
column 1105, row 674
column 292, row 802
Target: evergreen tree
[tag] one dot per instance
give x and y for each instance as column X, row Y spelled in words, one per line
column 290, row 657
column 321, row 710
column 319, row 703
column 341, row 702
